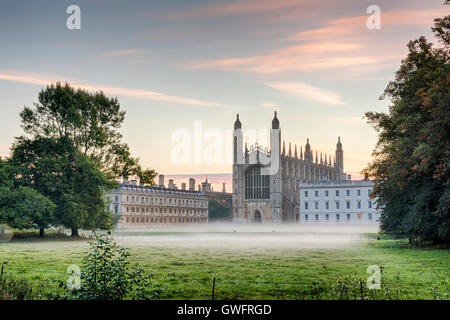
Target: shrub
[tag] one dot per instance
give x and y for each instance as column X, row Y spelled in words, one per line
column 107, row 274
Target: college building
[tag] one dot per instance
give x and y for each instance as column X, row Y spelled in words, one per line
column 144, row 206
column 336, row 202
column 263, row 195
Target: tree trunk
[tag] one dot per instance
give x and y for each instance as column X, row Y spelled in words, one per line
column 75, row 232
column 41, row 232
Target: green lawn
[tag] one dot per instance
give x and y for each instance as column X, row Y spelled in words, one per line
column 244, row 273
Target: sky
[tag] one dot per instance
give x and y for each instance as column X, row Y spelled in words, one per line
column 182, row 70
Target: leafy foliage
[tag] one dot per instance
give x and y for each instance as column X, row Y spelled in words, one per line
column 72, row 153
column 20, row 206
column 412, row 156
column 107, row 274
column 217, row 211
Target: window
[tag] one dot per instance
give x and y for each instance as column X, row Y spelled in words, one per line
column 306, row 217
column 306, row 194
column 369, row 191
column 326, row 193
column 338, row 217
column 128, row 209
column 327, row 205
column 337, row 193
column 306, row 205
column 256, row 184
column 348, row 193
column 116, row 198
column 316, row 193
column 348, row 204
column 337, row 204
column 316, row 205
column 358, row 192
column 369, row 203
column 132, row 209
column 370, row 216
column 116, row 209
column 359, row 204
column 348, row 216
column 317, row 217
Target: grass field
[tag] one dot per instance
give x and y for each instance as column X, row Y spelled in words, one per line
column 250, row 265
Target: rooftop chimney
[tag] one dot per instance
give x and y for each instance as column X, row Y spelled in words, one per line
column 161, row 180
column 183, row 186
column 191, row 184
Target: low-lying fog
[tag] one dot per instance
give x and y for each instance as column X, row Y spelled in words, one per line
column 240, row 236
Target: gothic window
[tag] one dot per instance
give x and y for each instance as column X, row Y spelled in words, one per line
column 256, row 184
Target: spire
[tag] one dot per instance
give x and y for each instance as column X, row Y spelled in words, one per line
column 275, row 122
column 339, row 144
column 301, row 152
column 237, row 123
column 290, row 153
column 321, row 160
column 284, row 149
column 295, row 154
column 316, row 157
column 329, row 159
column 246, row 149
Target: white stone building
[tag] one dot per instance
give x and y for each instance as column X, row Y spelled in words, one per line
column 336, row 202
column 144, row 206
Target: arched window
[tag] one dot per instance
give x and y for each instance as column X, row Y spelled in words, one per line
column 256, row 185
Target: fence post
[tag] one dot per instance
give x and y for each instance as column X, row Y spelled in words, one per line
column 213, row 287
column 1, row 274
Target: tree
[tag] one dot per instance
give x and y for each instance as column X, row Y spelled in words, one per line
column 73, row 181
column 91, row 120
column 217, row 211
column 72, row 153
column 21, row 207
column 411, row 164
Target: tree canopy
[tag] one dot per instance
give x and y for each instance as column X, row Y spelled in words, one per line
column 411, row 164
column 72, row 154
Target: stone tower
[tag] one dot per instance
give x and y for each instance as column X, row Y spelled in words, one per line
column 238, row 173
column 339, row 155
column 275, row 165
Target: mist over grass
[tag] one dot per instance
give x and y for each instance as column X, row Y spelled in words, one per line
column 248, row 237
column 251, row 262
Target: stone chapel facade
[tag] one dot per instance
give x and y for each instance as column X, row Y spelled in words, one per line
column 265, row 181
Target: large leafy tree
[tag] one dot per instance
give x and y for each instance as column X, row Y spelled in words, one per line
column 411, row 164
column 72, row 153
column 22, row 207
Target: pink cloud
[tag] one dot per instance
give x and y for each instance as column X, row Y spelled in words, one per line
column 307, row 91
column 126, row 52
column 305, row 57
column 351, row 26
column 135, row 93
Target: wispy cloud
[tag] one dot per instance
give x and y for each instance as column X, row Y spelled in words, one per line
column 240, row 7
column 270, row 105
column 119, row 91
column 356, row 26
column 304, row 57
column 119, row 53
column 304, row 90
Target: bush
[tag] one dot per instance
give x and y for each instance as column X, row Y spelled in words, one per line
column 13, row 288
column 107, row 274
